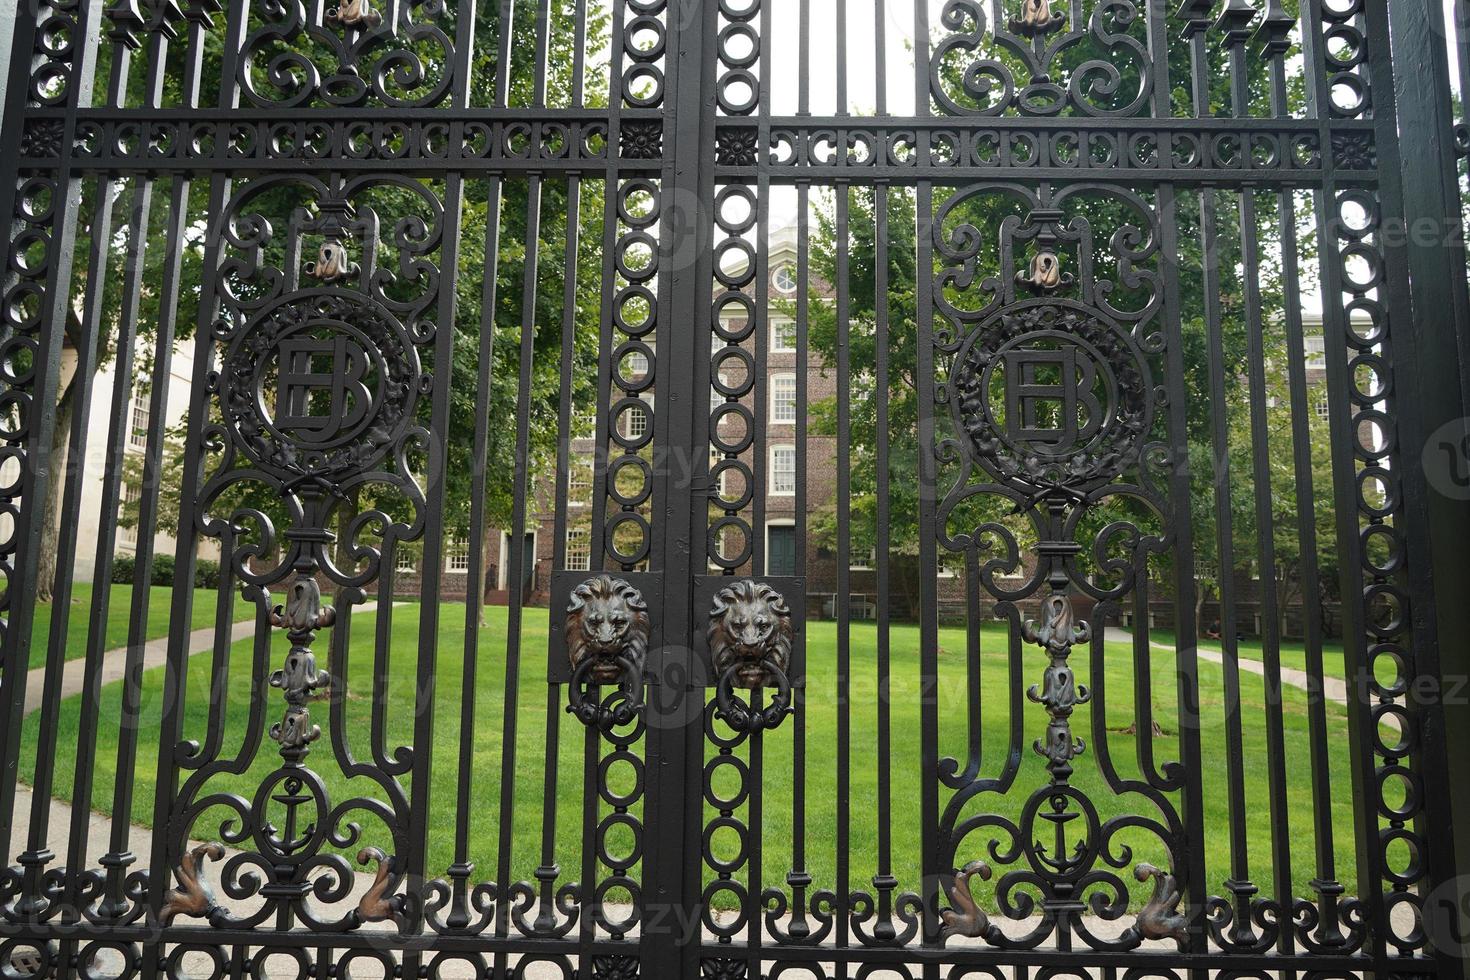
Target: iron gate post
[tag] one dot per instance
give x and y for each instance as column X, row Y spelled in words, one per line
column 675, row 730
column 1421, row 169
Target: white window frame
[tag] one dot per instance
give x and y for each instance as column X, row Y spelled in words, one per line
column 632, row 413
column 129, row 494
column 778, row 325
column 776, row 277
column 637, row 364
column 579, row 492
column 776, row 418
column 579, row 559
column 406, row 562
column 140, row 412
column 457, row 555
column 853, row 564
column 716, row 457
column 781, row 448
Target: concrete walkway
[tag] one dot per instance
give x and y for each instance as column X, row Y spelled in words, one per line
column 114, row 663
column 1333, row 688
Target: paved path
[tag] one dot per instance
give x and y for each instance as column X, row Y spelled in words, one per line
column 114, row 662
column 155, row 654
column 1333, row 688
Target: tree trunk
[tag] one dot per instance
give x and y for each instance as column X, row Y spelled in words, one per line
column 486, row 586
column 909, row 573
column 51, row 529
column 1201, row 596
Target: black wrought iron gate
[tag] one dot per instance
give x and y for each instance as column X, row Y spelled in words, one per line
column 632, row 488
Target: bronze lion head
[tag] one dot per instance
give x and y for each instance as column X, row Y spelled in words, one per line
column 749, row 625
column 607, row 619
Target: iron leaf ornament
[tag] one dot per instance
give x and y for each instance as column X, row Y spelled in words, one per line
column 194, row 895
column 1037, row 19
column 299, row 680
column 1160, row 918
column 1059, row 691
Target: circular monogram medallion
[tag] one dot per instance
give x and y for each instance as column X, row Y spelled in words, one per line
column 321, row 384
column 1051, row 394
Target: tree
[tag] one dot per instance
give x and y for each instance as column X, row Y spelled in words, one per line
column 513, row 218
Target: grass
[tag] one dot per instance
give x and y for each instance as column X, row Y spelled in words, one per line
column 119, row 607
column 1000, row 694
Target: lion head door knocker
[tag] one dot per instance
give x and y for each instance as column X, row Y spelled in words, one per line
column 607, row 643
column 750, row 643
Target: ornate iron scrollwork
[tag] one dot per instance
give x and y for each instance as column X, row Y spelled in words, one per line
column 1021, row 67
column 1053, row 399
column 750, row 643
column 607, row 643
column 317, row 392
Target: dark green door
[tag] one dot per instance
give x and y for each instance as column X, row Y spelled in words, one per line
column 781, row 550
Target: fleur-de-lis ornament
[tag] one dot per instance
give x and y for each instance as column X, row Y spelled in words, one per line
column 355, row 13
column 1037, row 19
column 1045, row 273
column 299, row 680
column 332, row 262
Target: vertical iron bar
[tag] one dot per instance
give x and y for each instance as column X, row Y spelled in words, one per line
column 1239, row 882
column 1260, row 442
column 673, row 811
column 522, row 492
column 1186, row 633
column 930, row 890
column 165, row 851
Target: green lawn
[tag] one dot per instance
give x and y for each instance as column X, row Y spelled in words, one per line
column 119, row 605
column 1293, row 652
column 863, row 805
